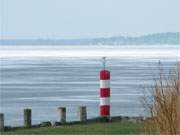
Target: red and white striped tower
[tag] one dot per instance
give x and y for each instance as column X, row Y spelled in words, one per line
column 104, row 92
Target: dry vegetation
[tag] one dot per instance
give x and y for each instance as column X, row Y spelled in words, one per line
column 164, row 106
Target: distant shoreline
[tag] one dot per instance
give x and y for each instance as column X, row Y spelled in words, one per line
column 151, row 39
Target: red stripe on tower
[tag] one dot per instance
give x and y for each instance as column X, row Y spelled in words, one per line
column 104, row 93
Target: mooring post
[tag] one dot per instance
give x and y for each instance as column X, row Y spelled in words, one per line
column 82, row 113
column 27, row 118
column 1, row 122
column 62, row 114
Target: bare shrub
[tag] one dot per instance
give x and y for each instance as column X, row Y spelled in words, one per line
column 164, row 106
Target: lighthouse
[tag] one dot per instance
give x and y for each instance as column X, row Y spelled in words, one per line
column 104, row 91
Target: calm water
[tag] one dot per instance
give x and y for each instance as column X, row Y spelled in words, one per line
column 45, row 78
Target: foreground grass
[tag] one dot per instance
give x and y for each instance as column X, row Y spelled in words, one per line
column 114, row 128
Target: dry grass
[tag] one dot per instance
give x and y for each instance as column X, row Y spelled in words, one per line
column 165, row 104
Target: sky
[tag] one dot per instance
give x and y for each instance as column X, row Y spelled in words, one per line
column 66, row 19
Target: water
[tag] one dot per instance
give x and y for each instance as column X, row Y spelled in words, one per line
column 45, row 78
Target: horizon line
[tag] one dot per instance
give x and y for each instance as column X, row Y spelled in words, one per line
column 125, row 36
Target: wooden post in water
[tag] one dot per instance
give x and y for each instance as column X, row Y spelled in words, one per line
column 62, row 114
column 82, row 113
column 1, row 122
column 27, row 118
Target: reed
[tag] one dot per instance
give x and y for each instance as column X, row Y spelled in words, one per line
column 164, row 107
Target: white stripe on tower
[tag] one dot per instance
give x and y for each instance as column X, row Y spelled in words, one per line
column 105, row 101
column 104, row 83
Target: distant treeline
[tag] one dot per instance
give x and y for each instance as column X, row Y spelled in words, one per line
column 160, row 38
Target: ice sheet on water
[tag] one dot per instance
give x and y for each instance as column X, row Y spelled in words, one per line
column 123, row 51
column 45, row 77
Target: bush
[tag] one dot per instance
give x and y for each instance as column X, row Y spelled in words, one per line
column 164, row 106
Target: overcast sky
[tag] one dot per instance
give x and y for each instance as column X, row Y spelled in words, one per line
column 87, row 18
